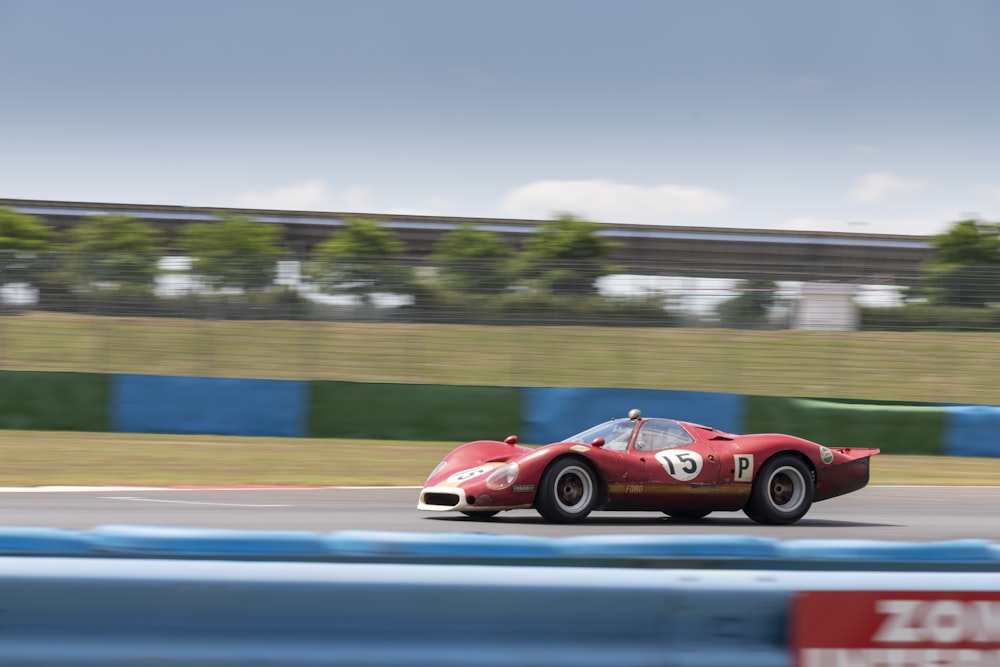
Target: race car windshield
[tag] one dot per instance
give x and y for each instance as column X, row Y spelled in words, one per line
column 616, row 434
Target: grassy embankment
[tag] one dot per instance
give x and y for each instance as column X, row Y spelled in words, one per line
column 884, row 366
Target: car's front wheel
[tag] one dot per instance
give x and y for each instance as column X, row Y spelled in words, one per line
column 782, row 492
column 568, row 491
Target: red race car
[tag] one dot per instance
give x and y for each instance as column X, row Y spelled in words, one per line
column 682, row 469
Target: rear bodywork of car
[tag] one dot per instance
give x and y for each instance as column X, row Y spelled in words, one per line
column 709, row 471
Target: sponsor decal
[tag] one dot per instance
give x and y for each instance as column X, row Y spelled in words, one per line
column 681, row 464
column 825, row 454
column 633, row 488
column 895, row 628
column 523, row 488
column 743, row 468
column 580, row 448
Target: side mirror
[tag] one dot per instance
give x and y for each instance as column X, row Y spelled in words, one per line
column 511, row 440
column 597, row 442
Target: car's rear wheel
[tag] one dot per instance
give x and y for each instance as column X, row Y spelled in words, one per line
column 568, row 492
column 782, row 492
column 488, row 514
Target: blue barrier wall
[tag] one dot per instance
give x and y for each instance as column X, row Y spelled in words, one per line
column 553, row 413
column 125, row 595
column 137, row 612
column 661, row 551
column 199, row 405
column 282, row 408
column 971, row 430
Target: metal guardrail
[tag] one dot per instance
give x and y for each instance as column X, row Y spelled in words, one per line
column 181, row 608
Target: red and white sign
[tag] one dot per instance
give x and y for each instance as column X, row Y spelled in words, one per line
column 895, row 629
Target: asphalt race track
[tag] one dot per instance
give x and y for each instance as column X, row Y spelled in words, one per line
column 915, row 514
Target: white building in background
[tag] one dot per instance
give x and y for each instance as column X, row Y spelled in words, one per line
column 826, row 307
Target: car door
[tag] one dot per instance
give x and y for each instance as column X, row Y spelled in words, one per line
column 679, row 467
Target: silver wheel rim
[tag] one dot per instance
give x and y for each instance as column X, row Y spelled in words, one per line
column 573, row 489
column 786, row 489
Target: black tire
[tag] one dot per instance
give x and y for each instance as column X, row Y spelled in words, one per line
column 568, row 492
column 689, row 515
column 782, row 492
column 488, row 514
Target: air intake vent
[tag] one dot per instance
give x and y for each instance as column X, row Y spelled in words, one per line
column 443, row 499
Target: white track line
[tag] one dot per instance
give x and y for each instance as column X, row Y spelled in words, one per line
column 184, row 502
column 109, row 489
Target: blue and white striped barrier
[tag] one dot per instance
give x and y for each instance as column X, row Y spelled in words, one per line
column 122, row 611
column 701, row 551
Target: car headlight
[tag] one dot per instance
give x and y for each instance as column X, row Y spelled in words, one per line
column 438, row 468
column 502, row 477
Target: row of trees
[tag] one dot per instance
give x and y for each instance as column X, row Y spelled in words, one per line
column 965, row 270
column 113, row 255
column 239, row 253
column 471, row 268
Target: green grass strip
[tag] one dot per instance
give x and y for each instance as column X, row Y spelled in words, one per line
column 916, row 366
column 412, row 411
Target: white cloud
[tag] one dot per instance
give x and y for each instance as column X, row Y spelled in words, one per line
column 355, row 199
column 430, row 206
column 606, row 201
column 311, row 195
column 880, row 185
column 990, row 191
column 316, row 195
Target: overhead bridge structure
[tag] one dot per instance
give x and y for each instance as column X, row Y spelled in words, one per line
column 708, row 252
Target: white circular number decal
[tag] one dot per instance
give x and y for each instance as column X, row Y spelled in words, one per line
column 468, row 474
column 682, row 464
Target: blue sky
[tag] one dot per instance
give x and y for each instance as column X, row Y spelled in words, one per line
column 864, row 116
